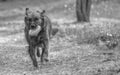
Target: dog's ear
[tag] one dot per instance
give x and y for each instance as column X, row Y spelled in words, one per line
column 43, row 11
column 26, row 11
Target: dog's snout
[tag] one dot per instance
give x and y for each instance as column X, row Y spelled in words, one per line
column 33, row 26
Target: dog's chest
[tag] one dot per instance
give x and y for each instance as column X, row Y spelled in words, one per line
column 37, row 39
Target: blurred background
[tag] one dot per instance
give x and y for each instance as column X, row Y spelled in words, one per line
column 14, row 9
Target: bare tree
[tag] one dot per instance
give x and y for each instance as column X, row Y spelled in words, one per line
column 83, row 10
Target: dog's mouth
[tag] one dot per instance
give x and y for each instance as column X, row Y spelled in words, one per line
column 33, row 27
column 35, row 31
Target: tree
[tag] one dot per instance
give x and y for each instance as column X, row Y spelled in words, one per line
column 83, row 10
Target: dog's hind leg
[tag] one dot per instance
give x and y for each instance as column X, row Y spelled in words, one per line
column 44, row 55
column 38, row 52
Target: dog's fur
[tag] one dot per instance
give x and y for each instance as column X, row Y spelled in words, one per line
column 35, row 18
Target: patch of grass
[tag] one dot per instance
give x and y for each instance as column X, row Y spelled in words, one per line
column 88, row 33
column 11, row 28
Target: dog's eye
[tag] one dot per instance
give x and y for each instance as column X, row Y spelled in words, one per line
column 36, row 19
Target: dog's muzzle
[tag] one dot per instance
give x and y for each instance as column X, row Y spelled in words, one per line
column 33, row 26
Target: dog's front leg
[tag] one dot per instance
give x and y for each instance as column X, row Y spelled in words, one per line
column 32, row 55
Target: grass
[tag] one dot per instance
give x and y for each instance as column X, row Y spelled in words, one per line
column 66, row 56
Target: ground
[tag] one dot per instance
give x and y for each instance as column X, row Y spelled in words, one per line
column 69, row 54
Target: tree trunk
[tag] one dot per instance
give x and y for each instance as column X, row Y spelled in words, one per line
column 83, row 10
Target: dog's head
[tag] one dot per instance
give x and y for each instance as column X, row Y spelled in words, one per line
column 34, row 19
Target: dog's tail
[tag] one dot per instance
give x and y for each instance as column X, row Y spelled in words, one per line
column 54, row 32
